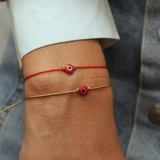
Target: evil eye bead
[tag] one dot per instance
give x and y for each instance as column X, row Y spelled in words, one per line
column 69, row 68
column 83, row 90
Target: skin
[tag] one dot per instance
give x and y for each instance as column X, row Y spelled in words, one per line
column 70, row 126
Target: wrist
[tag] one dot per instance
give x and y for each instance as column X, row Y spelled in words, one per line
column 74, row 121
column 69, row 126
column 56, row 106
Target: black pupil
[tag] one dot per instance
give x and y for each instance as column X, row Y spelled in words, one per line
column 83, row 90
column 70, row 67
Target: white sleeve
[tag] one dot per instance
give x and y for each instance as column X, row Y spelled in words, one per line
column 37, row 23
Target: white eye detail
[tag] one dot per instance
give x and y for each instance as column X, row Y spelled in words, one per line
column 83, row 90
column 70, row 68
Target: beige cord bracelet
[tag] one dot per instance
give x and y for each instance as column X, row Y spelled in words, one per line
column 83, row 90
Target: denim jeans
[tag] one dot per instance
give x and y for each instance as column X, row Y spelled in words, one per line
column 134, row 67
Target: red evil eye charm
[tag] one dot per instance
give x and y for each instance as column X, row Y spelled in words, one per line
column 69, row 68
column 83, row 90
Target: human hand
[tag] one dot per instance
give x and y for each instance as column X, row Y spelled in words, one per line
column 69, row 126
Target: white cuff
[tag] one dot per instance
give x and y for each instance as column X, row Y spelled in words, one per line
column 37, row 23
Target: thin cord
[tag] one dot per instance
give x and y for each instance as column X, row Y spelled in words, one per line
column 63, row 69
column 81, row 67
column 60, row 69
column 11, row 106
column 52, row 94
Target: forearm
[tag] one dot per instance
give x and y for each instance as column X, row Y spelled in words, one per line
column 69, row 126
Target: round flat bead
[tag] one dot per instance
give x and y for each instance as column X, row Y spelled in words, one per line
column 69, row 68
column 83, row 90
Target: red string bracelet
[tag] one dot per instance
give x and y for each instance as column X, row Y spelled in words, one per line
column 68, row 69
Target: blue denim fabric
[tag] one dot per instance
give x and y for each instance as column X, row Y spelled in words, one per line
column 145, row 138
column 11, row 91
column 134, row 67
column 123, row 61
